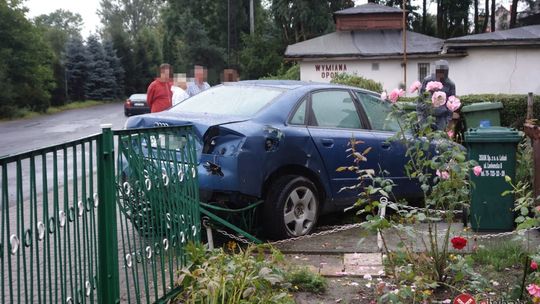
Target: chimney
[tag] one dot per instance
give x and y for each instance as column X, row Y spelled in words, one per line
column 369, row 16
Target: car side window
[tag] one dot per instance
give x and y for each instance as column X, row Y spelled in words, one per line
column 334, row 109
column 299, row 117
column 378, row 112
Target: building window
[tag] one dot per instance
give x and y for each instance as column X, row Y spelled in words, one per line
column 423, row 70
column 375, row 66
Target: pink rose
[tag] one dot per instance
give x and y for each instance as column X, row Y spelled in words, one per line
column 534, row 265
column 438, row 99
column 395, row 95
column 477, row 170
column 434, row 86
column 534, row 290
column 415, row 86
column 450, row 133
column 453, row 103
column 384, row 96
column 443, row 174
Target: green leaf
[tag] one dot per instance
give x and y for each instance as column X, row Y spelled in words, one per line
column 524, row 211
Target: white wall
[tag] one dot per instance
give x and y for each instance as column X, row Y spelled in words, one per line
column 390, row 73
column 502, row 70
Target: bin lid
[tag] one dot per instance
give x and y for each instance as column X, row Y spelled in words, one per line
column 493, row 134
column 482, row 106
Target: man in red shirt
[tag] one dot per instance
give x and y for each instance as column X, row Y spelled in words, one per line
column 159, row 94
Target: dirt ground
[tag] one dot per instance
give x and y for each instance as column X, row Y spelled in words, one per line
column 339, row 290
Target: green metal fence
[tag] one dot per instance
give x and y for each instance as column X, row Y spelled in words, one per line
column 102, row 219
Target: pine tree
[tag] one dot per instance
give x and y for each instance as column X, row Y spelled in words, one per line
column 116, row 66
column 76, row 63
column 101, row 82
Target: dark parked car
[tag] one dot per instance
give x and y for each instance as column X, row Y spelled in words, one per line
column 282, row 141
column 136, row 104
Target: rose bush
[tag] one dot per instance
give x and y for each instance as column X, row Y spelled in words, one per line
column 442, row 170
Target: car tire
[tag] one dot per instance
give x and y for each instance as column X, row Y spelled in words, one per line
column 291, row 207
column 126, row 113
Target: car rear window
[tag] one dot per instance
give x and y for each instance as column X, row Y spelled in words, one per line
column 229, row 100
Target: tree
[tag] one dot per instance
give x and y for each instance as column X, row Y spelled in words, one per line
column 492, row 18
column 476, row 22
column 56, row 28
column 132, row 16
column 116, row 66
column 259, row 56
column 147, row 58
column 188, row 40
column 76, row 62
column 302, row 19
column 25, row 71
column 486, row 16
column 261, row 53
column 100, row 82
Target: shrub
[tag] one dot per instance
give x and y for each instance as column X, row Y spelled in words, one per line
column 514, row 106
column 284, row 73
column 242, row 276
column 358, row 81
column 305, row 280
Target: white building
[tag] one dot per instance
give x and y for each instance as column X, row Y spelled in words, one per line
column 369, row 42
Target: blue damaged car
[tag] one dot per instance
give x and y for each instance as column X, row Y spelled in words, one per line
column 282, row 141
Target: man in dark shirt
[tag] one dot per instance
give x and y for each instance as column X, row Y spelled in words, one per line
column 442, row 114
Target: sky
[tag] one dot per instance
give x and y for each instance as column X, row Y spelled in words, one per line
column 88, row 10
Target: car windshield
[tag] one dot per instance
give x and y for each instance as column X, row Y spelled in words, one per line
column 229, row 100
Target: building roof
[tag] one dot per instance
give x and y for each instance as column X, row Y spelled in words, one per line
column 372, row 43
column 529, row 35
column 369, row 8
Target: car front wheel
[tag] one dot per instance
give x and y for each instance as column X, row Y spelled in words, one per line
column 291, row 207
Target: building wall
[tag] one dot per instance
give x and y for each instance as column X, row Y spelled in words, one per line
column 501, row 70
column 389, row 73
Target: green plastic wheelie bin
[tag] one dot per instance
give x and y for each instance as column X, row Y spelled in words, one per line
column 494, row 148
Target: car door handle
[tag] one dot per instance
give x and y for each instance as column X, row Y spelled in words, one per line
column 327, row 142
column 385, row 146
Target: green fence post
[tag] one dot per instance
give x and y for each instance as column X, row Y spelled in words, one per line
column 108, row 272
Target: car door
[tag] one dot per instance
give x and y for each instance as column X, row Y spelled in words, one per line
column 391, row 152
column 334, row 119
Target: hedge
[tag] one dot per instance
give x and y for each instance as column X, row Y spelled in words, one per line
column 358, row 81
column 514, row 106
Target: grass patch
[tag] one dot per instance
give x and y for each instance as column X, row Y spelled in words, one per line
column 75, row 105
column 302, row 279
column 25, row 113
column 500, row 255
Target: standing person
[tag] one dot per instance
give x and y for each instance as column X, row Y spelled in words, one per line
column 179, row 89
column 199, row 83
column 159, row 94
column 442, row 114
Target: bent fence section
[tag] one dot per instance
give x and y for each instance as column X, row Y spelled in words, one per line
column 101, row 219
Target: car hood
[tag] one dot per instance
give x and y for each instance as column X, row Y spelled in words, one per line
column 200, row 121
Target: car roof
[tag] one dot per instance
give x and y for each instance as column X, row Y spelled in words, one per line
column 138, row 95
column 295, row 85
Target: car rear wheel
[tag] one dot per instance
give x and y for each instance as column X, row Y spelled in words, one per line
column 291, row 207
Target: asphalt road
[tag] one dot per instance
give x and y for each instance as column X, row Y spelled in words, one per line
column 27, row 134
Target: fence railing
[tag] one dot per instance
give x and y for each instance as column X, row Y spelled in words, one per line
column 102, row 219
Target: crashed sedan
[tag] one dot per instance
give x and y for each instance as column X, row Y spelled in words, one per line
column 281, row 142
